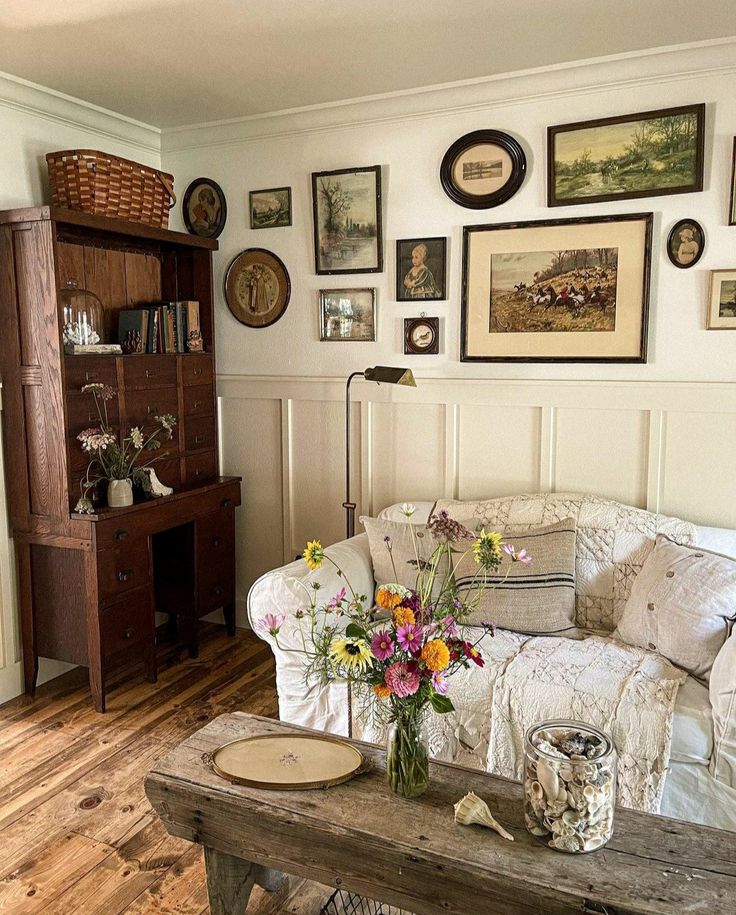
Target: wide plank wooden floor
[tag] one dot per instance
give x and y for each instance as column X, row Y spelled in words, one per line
column 77, row 834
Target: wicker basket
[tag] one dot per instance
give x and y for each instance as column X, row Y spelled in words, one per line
column 105, row 185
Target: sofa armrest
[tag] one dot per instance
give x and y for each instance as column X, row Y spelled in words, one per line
column 322, row 706
column 722, row 689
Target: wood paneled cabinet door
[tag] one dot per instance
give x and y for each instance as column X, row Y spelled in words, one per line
column 89, row 585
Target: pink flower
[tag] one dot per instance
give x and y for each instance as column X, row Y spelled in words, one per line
column 521, row 556
column 271, row 623
column 409, row 638
column 334, row 602
column 450, row 626
column 402, row 679
column 439, row 682
column 382, row 645
column 472, row 654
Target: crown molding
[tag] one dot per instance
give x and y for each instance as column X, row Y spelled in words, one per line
column 39, row 101
column 636, row 68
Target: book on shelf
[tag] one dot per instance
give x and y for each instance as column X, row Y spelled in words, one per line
column 160, row 328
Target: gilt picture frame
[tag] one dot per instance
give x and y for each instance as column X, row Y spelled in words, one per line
column 557, row 290
column 647, row 154
column 721, row 313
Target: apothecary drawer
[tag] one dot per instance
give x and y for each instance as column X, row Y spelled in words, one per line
column 216, row 587
column 199, row 400
column 127, row 623
column 81, row 412
column 169, row 471
column 143, row 406
column 215, row 537
column 197, row 368
column 149, row 371
column 199, row 433
column 123, row 568
column 200, row 467
column 81, row 370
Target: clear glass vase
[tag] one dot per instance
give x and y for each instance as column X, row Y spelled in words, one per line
column 83, row 316
column 407, row 753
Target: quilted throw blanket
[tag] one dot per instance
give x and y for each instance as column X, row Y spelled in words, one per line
column 626, row 692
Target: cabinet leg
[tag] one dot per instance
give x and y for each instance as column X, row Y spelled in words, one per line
column 229, row 614
column 190, row 632
column 97, row 688
column 28, row 630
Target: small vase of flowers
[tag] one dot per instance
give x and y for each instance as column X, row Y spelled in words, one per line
column 400, row 656
column 117, row 462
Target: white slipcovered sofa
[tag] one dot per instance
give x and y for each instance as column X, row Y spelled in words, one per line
column 700, row 785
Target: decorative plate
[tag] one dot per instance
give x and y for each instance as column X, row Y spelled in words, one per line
column 204, row 208
column 483, row 169
column 287, row 762
column 257, row 287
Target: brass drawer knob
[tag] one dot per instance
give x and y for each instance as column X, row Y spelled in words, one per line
column 197, row 404
column 90, row 376
column 216, row 541
column 150, row 374
column 129, row 633
column 124, row 574
column 120, row 534
column 198, row 439
column 225, row 503
column 197, row 372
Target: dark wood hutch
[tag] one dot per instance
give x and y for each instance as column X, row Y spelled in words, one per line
column 89, row 585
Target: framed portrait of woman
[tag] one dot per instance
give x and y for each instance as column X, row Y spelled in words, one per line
column 204, row 208
column 421, row 268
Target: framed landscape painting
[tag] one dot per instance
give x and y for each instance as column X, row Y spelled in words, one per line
column 347, row 314
column 347, row 220
column 558, row 290
column 722, row 300
column 270, row 209
column 636, row 155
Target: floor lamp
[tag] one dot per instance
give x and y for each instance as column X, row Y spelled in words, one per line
column 381, row 374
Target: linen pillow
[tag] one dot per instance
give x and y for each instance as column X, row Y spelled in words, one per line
column 681, row 605
column 402, row 551
column 538, row 598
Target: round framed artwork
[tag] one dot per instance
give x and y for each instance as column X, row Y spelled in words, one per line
column 685, row 243
column 257, row 287
column 204, row 208
column 483, row 169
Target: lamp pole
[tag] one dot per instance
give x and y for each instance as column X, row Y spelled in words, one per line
column 349, row 505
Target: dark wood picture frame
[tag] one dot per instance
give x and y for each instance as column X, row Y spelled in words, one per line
column 412, row 243
column 732, row 198
column 553, row 200
column 641, row 357
column 277, row 265
column 672, row 238
column 335, row 173
column 325, row 294
column 508, row 144
column 222, row 217
column 410, row 347
column 269, row 190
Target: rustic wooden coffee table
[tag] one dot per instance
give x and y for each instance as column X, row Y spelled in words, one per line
column 359, row 837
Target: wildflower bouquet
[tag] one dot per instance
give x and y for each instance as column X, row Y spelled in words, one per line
column 111, row 459
column 403, row 660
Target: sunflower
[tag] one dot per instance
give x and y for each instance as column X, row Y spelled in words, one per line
column 487, row 549
column 314, row 554
column 353, row 654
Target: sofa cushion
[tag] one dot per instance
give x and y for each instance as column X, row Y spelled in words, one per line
column 681, row 605
column 395, row 546
column 692, row 724
column 537, row 599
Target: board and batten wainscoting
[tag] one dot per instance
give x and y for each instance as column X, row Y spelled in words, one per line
column 665, row 446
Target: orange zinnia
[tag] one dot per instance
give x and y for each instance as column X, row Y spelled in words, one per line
column 403, row 616
column 382, row 691
column 436, row 655
column 386, row 599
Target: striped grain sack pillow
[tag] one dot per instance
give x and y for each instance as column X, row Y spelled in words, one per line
column 539, row 598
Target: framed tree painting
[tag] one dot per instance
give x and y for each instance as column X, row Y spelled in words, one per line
column 347, row 221
column 635, row 155
column 559, row 290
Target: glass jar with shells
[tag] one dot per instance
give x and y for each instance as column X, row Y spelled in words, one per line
column 569, row 785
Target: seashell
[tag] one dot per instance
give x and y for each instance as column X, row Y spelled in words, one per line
column 534, row 826
column 572, row 818
column 594, row 842
column 565, row 843
column 537, row 794
column 550, row 749
column 471, row 809
column 548, row 779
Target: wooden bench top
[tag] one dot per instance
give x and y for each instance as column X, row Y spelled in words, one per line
column 410, row 853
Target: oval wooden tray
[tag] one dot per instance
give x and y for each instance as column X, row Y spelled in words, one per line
column 287, row 762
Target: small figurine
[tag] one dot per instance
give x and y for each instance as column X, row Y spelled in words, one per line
column 194, row 341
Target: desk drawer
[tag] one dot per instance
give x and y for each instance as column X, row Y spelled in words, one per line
column 81, row 413
column 81, row 370
column 141, row 407
column 169, row 470
column 215, row 537
column 149, row 371
column 127, row 622
column 123, row 569
column 200, row 468
column 197, row 368
column 216, row 585
column 199, row 433
column 198, row 400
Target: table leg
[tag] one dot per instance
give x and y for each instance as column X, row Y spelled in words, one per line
column 230, row 881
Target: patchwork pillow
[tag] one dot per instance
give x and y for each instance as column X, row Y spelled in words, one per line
column 536, row 598
column 393, row 552
column 681, row 605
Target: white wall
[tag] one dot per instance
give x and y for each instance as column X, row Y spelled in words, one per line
column 34, row 121
column 468, row 430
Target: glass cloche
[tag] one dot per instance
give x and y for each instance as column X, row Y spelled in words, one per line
column 83, row 316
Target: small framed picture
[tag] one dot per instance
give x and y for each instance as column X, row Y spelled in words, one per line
column 421, row 336
column 270, row 209
column 204, row 208
column 483, row 169
column 347, row 315
column 686, row 243
column 420, row 269
column 732, row 201
column 722, row 300
column 348, row 237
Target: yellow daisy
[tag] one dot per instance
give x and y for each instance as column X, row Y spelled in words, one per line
column 353, row 654
column 314, row 554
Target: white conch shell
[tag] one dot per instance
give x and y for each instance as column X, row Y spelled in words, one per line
column 548, row 779
column 471, row 809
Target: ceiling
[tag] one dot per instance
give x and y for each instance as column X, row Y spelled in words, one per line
column 176, row 62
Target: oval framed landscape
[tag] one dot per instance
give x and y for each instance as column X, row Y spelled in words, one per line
column 483, row 169
column 257, row 287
